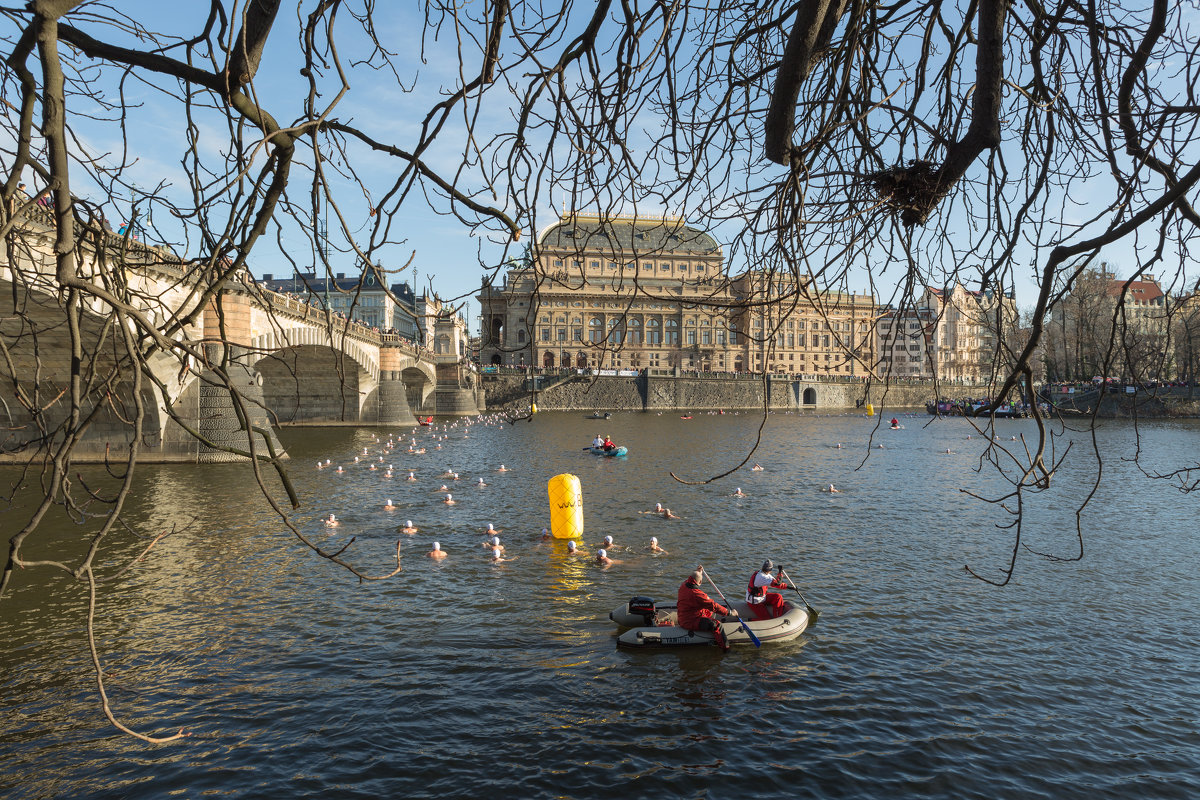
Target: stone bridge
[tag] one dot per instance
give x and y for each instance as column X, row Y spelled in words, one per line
column 292, row 363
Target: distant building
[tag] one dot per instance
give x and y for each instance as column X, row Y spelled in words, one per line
column 787, row 328
column 623, row 292
column 363, row 298
column 969, row 328
column 1113, row 328
column 907, row 343
column 611, row 292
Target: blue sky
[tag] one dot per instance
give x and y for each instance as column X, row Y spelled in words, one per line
column 439, row 246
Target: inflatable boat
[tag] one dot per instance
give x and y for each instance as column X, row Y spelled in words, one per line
column 616, row 451
column 655, row 625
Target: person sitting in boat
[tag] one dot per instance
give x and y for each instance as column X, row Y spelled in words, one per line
column 598, row 442
column 697, row 611
column 608, row 444
column 764, row 604
column 895, row 422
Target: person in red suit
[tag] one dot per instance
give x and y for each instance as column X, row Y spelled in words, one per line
column 697, row 611
column 764, row 604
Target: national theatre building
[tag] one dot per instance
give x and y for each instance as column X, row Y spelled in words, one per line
column 619, row 292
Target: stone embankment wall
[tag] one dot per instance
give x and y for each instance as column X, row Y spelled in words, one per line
column 684, row 393
column 1146, row 403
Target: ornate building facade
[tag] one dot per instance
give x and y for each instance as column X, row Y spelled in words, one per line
column 634, row 293
column 612, row 293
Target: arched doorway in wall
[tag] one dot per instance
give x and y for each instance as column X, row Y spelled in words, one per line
column 810, row 396
column 497, row 360
column 548, row 359
column 581, row 360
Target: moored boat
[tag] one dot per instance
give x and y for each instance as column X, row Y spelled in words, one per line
column 655, row 625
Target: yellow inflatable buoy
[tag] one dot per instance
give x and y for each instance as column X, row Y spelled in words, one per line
column 533, row 408
column 566, row 506
column 870, row 410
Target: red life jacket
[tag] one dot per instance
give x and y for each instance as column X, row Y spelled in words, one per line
column 755, row 591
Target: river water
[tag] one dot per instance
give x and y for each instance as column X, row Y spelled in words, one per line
column 1078, row 680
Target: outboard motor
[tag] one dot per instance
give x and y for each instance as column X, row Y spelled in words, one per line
column 643, row 606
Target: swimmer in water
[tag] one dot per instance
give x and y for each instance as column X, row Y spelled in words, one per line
column 320, row 465
column 608, row 542
column 331, row 521
column 408, row 527
column 339, row 469
column 654, row 548
column 839, row 446
column 389, row 505
column 738, row 493
column 494, row 543
column 573, row 549
column 449, row 500
column 411, row 477
column 603, row 560
column 480, row 483
column 832, row 489
column 757, row 467
column 546, row 535
column 667, row 514
column 437, row 551
column 502, row 468
column 493, row 531
column 441, row 489
column 658, row 509
column 498, row 555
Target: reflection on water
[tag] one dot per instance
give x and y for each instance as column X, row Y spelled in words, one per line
column 1076, row 680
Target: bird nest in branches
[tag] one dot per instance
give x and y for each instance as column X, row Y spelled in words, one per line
column 911, row 189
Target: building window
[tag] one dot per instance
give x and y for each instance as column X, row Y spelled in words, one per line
column 546, row 334
column 673, row 331
column 691, row 336
column 520, row 337
column 562, row 334
column 706, row 336
column 653, row 334
column 595, row 264
column 578, row 334
column 595, row 331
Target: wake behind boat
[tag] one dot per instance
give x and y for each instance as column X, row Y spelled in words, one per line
column 656, row 625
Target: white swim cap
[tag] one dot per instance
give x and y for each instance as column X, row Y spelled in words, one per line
column 608, row 540
column 495, row 552
column 449, row 497
column 739, row 490
column 437, row 546
column 601, row 553
column 658, row 505
column 389, row 502
column 653, row 540
column 571, row 545
column 408, row 523
column 331, row 516
column 495, row 540
column 490, row 528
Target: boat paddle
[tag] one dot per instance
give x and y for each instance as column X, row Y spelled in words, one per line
column 734, row 611
column 812, row 612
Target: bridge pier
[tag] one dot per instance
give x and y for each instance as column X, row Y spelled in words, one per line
column 392, row 400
